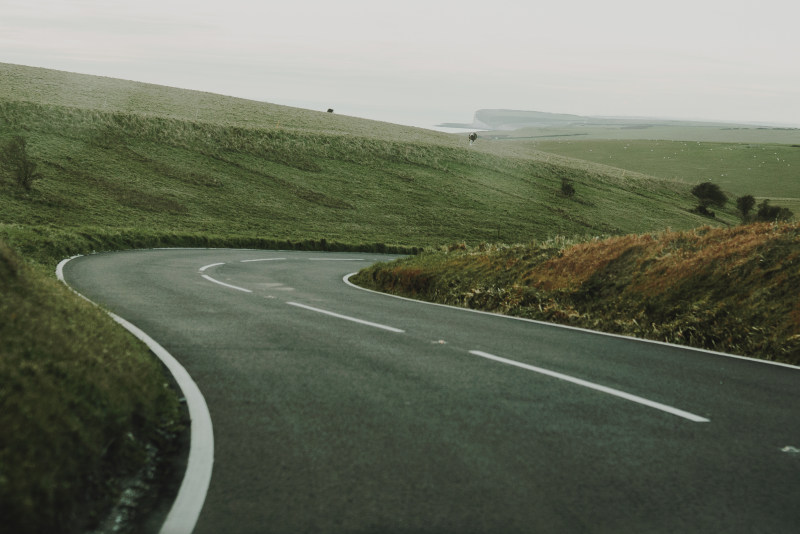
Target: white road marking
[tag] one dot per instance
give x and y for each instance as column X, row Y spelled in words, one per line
column 186, row 508
column 218, row 282
column 185, row 511
column 596, row 387
column 209, row 266
column 226, row 285
column 263, row 259
column 336, row 259
column 347, row 318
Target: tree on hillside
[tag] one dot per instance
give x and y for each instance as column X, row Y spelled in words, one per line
column 14, row 157
column 709, row 195
column 745, row 204
column 567, row 189
column 767, row 213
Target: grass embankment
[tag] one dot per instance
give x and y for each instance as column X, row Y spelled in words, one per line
column 730, row 290
column 83, row 404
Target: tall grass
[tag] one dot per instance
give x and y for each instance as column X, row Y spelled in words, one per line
column 731, row 290
column 82, row 405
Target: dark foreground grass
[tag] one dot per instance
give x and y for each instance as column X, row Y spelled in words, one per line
column 83, row 405
column 732, row 290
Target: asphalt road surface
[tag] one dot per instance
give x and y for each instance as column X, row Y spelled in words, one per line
column 336, row 409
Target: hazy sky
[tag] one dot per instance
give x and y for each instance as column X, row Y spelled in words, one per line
column 422, row 62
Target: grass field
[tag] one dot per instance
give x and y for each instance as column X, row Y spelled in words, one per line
column 130, row 165
column 643, row 130
column 766, row 171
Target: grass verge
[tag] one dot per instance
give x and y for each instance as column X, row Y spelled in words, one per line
column 83, row 405
column 717, row 289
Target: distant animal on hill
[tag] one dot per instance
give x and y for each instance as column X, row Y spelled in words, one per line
column 330, row 110
column 472, row 137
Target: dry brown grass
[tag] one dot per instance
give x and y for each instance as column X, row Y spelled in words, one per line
column 732, row 290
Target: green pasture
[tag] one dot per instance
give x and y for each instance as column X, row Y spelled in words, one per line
column 766, row 171
column 140, row 159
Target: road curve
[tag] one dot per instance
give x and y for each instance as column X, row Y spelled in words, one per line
column 339, row 410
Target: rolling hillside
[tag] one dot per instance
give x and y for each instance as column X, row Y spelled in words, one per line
column 130, row 164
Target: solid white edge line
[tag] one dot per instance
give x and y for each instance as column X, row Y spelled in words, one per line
column 597, row 387
column 261, row 259
column 347, row 281
column 185, row 511
column 347, row 318
column 60, row 271
column 226, row 285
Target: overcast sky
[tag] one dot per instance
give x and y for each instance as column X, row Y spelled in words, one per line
column 422, row 62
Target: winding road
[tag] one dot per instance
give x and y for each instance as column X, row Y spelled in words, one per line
column 336, row 409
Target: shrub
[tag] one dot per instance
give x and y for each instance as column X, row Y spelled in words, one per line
column 767, row 213
column 567, row 188
column 709, row 195
column 15, row 158
column 745, row 204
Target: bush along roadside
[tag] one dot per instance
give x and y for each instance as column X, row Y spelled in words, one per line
column 730, row 290
column 83, row 406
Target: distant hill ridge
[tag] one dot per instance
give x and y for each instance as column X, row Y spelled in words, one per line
column 509, row 119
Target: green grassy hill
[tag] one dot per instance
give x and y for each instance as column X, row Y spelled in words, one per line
column 124, row 161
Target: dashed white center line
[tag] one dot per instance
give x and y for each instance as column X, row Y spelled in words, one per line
column 336, row 259
column 226, row 285
column 210, row 266
column 347, row 318
column 596, row 387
